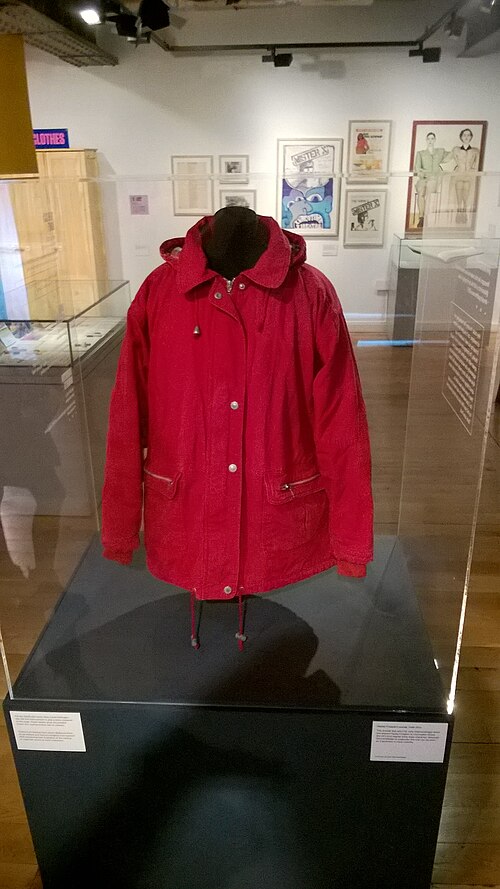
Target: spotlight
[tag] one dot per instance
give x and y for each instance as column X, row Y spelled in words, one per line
column 154, row 14
column 431, row 54
column 283, row 60
column 90, row 16
column 279, row 60
column 126, row 25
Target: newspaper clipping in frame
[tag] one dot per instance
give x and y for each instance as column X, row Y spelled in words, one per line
column 369, row 142
column 364, row 218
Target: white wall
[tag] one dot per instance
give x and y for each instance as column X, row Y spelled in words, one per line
column 154, row 105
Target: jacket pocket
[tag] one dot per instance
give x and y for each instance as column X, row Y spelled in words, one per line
column 282, row 487
column 166, row 485
column 165, row 532
column 295, row 507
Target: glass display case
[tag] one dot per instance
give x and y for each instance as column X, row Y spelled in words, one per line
column 52, row 331
column 55, row 366
column 404, row 266
column 60, row 346
column 86, row 635
column 403, row 278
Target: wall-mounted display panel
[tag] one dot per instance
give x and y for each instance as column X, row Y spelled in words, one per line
column 368, row 150
column 238, row 197
column 446, row 157
column 364, row 222
column 234, row 167
column 192, row 185
column 308, row 186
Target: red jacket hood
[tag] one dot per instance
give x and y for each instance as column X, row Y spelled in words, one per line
column 284, row 250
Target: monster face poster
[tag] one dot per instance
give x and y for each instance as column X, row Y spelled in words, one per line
column 309, row 186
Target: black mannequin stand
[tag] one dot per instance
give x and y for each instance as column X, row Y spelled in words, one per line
column 234, row 240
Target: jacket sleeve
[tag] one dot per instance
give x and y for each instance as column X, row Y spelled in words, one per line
column 127, row 437
column 341, row 437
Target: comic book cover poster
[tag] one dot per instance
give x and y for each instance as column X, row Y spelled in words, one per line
column 308, row 185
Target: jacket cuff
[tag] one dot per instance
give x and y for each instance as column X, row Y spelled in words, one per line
column 351, row 569
column 123, row 556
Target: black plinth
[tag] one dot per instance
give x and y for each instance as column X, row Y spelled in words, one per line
column 227, row 769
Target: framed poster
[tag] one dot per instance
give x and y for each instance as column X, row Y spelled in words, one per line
column 445, row 157
column 308, row 190
column 193, row 196
column 369, row 143
column 234, row 167
column 238, row 197
column 364, row 223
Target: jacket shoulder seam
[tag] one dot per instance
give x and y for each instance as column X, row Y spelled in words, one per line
column 325, row 291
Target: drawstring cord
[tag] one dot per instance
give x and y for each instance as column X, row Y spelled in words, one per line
column 240, row 636
column 195, row 642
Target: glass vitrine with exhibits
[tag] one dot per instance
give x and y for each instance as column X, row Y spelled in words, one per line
column 57, row 360
column 390, row 640
column 344, row 690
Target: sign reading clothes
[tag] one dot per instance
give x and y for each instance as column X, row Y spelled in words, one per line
column 51, row 138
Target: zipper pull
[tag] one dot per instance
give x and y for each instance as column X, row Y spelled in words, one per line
column 229, row 284
column 285, row 487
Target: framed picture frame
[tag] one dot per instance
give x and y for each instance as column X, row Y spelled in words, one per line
column 238, row 197
column 308, row 186
column 364, row 217
column 443, row 193
column 192, row 196
column 369, row 146
column 234, row 167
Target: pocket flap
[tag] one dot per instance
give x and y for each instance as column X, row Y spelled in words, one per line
column 285, row 486
column 162, row 484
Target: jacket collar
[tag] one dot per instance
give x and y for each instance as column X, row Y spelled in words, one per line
column 283, row 250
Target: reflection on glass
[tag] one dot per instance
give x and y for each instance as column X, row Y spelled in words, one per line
column 17, row 509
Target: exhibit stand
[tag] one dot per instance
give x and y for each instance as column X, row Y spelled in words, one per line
column 57, row 367
column 314, row 758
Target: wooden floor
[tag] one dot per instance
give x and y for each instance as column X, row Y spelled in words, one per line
column 468, row 852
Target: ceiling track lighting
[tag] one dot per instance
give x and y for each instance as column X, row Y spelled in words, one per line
column 454, row 26
column 279, row 60
column 152, row 15
column 428, row 53
column 90, row 16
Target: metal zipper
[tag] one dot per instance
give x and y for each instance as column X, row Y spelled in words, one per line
column 229, row 284
column 287, row 485
column 164, row 478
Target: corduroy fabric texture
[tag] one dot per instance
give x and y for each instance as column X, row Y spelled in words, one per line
column 238, row 429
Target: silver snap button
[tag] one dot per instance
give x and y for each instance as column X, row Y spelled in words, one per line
column 232, row 467
column 218, row 295
column 234, row 405
column 228, row 590
column 241, row 286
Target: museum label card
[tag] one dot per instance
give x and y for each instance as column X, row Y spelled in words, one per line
column 408, row 741
column 139, row 204
column 37, row 730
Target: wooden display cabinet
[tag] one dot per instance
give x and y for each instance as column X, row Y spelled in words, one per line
column 60, row 228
